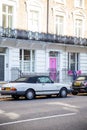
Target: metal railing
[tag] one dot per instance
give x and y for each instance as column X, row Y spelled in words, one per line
column 29, row 35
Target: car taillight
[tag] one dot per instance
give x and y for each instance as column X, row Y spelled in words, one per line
column 2, row 88
column 13, row 89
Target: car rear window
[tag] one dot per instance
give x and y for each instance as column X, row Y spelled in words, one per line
column 81, row 78
column 22, row 79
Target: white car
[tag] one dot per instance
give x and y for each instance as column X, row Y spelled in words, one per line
column 34, row 85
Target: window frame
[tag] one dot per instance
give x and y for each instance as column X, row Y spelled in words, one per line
column 78, row 28
column 58, row 11
column 33, row 26
column 35, row 6
column 78, row 5
column 14, row 4
column 76, row 61
column 30, row 61
column 59, row 25
column 6, row 15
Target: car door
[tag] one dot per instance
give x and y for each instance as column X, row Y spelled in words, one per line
column 48, row 87
column 34, row 83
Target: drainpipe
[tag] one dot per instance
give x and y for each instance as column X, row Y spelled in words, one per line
column 47, row 16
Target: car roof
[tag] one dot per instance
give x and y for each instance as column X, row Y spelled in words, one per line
column 28, row 76
column 83, row 75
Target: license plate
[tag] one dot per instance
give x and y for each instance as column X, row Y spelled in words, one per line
column 7, row 89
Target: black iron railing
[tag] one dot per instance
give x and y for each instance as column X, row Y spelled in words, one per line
column 29, row 35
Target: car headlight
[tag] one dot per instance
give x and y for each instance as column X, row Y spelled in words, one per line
column 2, row 88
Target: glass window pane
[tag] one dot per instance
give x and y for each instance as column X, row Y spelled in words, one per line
column 26, row 55
column 59, row 25
column 10, row 21
column 27, row 61
column 20, row 54
column 4, row 8
column 78, row 27
column 10, row 9
column 73, row 61
column 26, row 66
column 34, row 20
column 4, row 21
column 7, row 16
column 79, row 3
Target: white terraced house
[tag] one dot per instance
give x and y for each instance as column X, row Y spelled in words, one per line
column 43, row 37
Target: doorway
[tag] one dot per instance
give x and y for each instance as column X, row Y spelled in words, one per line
column 1, row 67
column 53, row 64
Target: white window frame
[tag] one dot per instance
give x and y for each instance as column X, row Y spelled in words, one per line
column 76, row 61
column 58, row 11
column 7, row 14
column 64, row 27
column 22, row 61
column 77, row 5
column 77, row 28
column 9, row 3
column 82, row 32
column 35, row 6
column 59, row 25
column 81, row 16
column 33, row 28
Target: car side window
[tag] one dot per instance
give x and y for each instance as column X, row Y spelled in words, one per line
column 44, row 80
column 32, row 80
column 86, row 78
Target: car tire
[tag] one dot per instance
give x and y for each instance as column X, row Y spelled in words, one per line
column 30, row 94
column 74, row 92
column 63, row 93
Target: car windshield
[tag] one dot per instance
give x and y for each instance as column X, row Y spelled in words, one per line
column 81, row 78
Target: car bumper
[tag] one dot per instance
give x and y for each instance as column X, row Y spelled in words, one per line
column 12, row 93
column 81, row 89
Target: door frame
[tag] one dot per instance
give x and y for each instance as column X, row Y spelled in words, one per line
column 4, row 66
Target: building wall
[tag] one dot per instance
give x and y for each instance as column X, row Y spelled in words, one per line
column 13, row 64
column 68, row 9
column 40, row 62
column 82, row 65
column 83, row 62
column 23, row 12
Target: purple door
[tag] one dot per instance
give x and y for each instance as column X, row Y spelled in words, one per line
column 53, row 68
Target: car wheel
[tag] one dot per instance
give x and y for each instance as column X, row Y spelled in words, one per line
column 74, row 92
column 30, row 94
column 15, row 97
column 63, row 92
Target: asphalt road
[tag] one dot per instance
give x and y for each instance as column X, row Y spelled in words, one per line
column 44, row 113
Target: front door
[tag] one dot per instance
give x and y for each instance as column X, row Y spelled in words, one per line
column 1, row 67
column 53, row 68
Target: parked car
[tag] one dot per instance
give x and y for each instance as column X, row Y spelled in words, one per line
column 80, row 85
column 32, row 86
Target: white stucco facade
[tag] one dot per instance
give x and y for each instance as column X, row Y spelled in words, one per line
column 12, row 68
